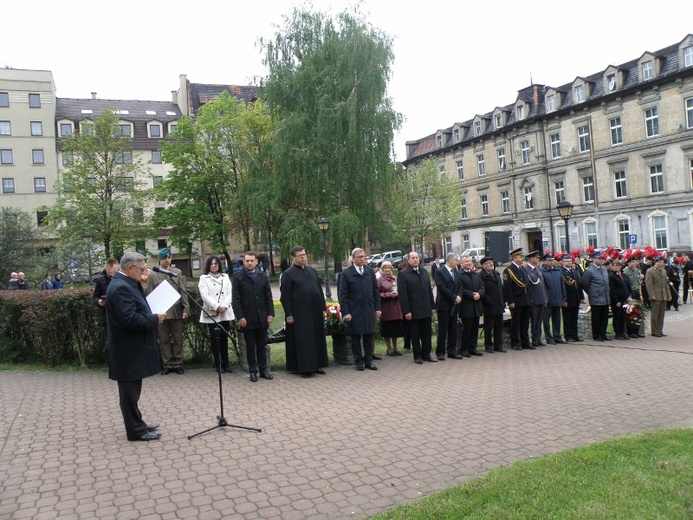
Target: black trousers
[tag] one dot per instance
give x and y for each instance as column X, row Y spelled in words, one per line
column 470, row 334
column 570, row 322
column 366, row 355
column 220, row 343
column 493, row 332
column 536, row 318
column 519, row 326
column 685, row 287
column 618, row 320
column 600, row 320
column 447, row 332
column 256, row 349
column 552, row 323
column 420, row 335
column 675, row 291
column 129, row 394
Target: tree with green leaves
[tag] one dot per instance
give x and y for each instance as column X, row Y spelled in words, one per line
column 214, row 157
column 102, row 188
column 424, row 204
column 332, row 149
column 16, row 242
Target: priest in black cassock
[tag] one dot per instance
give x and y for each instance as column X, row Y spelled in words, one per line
column 304, row 307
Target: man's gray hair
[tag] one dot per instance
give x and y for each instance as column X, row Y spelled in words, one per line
column 449, row 257
column 131, row 257
column 356, row 251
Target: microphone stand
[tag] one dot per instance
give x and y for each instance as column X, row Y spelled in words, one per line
column 221, row 420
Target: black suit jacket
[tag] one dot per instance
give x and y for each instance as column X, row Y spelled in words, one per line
column 415, row 293
column 251, row 300
column 359, row 296
column 471, row 283
column 447, row 289
column 493, row 299
column 515, row 285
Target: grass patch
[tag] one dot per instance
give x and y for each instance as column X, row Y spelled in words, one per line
column 648, row 475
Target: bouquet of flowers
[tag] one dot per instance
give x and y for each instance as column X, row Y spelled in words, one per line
column 635, row 313
column 334, row 325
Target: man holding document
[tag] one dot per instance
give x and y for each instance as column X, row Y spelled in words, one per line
column 132, row 349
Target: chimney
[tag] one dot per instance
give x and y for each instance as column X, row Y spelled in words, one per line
column 174, row 96
column 93, row 95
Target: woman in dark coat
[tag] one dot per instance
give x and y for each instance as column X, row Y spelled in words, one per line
column 619, row 291
column 391, row 324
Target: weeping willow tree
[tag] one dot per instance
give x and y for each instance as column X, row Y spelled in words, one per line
column 332, row 151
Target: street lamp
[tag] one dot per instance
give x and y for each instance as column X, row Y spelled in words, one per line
column 324, row 225
column 565, row 210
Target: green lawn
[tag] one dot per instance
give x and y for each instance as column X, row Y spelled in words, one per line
column 649, row 475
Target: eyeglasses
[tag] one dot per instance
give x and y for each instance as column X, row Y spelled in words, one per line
column 141, row 269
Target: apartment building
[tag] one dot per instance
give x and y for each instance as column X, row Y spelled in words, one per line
column 617, row 144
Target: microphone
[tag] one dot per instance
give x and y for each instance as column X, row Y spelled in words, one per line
column 164, row 271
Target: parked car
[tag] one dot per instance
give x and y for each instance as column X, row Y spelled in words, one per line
column 476, row 253
column 374, row 259
column 394, row 257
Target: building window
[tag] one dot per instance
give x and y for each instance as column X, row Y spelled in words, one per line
column 441, row 173
column 5, row 128
column 124, row 130
column 34, row 101
column 439, row 141
column 657, row 178
column 125, row 184
column 459, row 165
column 161, row 242
column 477, row 128
column 8, row 185
column 484, row 205
column 40, row 184
column 137, row 215
column 588, row 188
column 67, row 158
column 591, row 234
column 463, row 208
column 172, row 127
column 623, row 230
column 611, row 82
column 690, row 170
column 620, row 184
column 481, row 167
column 687, row 60
column 524, row 147
column 6, row 157
column 505, row 201
column 579, row 94
column 551, row 103
column 559, row 188
column 4, row 100
column 584, row 138
column 520, row 112
column 555, row 145
column 65, row 129
column 659, row 227
column 41, row 217
column 465, row 241
column 456, row 135
column 499, row 121
column 123, row 157
column 501, row 159
column 154, row 130
column 560, row 234
column 87, row 128
column 647, row 72
column 652, row 122
column 156, row 180
column 37, row 156
column 156, row 157
column 689, row 113
column 36, row 128
column 529, row 198
column 616, row 131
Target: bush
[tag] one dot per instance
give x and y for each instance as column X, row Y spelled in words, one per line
column 63, row 328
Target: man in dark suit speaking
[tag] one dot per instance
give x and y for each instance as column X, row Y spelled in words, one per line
column 132, row 347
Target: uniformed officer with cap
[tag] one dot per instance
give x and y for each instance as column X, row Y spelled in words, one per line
column 515, row 288
column 536, row 293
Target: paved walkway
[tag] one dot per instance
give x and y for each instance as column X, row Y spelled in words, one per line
column 344, row 445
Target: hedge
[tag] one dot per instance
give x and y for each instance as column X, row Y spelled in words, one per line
column 62, row 327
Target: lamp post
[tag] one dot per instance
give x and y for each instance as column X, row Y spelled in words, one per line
column 87, row 237
column 565, row 210
column 324, row 225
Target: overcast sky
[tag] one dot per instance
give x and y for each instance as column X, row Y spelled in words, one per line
column 452, row 60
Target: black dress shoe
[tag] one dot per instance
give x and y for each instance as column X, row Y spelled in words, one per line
column 371, row 366
column 598, row 339
column 391, row 354
column 606, row 338
column 418, row 361
column 226, row 370
column 530, row 347
column 441, row 358
column 376, row 357
column 502, row 350
column 466, row 354
column 489, row 351
column 642, row 335
column 152, row 427
column 576, row 338
column 320, row 371
column 663, row 335
column 253, row 377
column 431, row 359
column 558, row 340
column 266, row 375
column 455, row 356
column 149, row 436
column 516, row 348
column 540, row 344
column 476, row 353
column 397, row 353
column 360, row 368
column 165, row 371
column 180, row 371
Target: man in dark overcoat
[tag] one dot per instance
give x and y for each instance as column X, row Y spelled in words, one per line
column 304, row 306
column 359, row 301
column 555, row 299
column 493, row 303
column 515, row 289
column 253, row 307
column 132, row 347
column 574, row 297
column 448, row 298
column 471, row 308
column 416, row 302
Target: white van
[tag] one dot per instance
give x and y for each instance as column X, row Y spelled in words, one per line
column 476, row 253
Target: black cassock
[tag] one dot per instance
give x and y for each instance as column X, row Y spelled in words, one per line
column 302, row 298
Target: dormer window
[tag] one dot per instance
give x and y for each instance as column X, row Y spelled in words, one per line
column 439, row 141
column 499, row 121
column 611, row 82
column 124, row 130
column 688, row 57
column 477, row 128
column 647, row 71
column 456, row 135
column 550, row 102
column 520, row 111
column 154, row 129
column 579, row 94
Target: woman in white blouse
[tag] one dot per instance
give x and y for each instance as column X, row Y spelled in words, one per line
column 215, row 291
